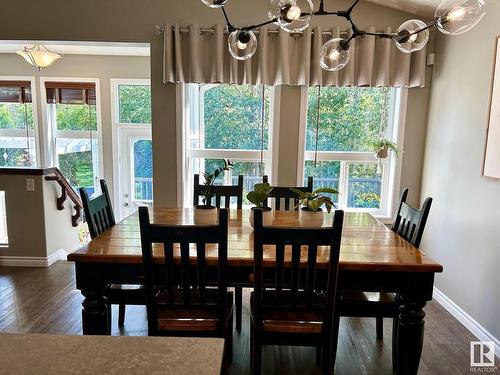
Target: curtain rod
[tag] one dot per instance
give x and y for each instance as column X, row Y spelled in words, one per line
column 161, row 29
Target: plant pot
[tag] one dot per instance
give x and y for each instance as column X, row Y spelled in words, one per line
column 267, row 216
column 383, row 153
column 205, row 215
column 310, row 218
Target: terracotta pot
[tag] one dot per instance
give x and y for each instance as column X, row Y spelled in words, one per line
column 267, row 216
column 383, row 153
column 205, row 215
column 310, row 218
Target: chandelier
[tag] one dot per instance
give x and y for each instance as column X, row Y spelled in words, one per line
column 452, row 17
column 39, row 56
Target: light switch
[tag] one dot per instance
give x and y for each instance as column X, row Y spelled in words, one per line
column 30, row 184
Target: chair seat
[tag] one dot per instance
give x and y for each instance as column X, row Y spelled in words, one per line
column 290, row 320
column 129, row 294
column 367, row 304
column 199, row 318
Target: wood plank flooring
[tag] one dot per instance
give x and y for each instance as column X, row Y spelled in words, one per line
column 44, row 300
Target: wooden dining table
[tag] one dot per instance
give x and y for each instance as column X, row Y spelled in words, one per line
column 372, row 259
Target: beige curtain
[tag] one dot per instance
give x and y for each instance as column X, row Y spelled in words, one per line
column 282, row 58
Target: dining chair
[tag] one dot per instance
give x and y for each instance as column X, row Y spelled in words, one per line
column 100, row 218
column 283, row 192
column 409, row 223
column 226, row 191
column 183, row 302
column 288, row 306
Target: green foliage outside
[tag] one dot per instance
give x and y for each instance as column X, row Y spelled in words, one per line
column 76, row 117
column 77, row 168
column 14, row 157
column 135, row 104
column 14, row 116
column 364, row 194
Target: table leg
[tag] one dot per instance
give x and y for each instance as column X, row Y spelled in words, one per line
column 95, row 313
column 410, row 336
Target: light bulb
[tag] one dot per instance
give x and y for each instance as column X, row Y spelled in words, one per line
column 459, row 16
column 291, row 15
column 215, row 3
column 407, row 38
column 242, row 44
column 334, row 55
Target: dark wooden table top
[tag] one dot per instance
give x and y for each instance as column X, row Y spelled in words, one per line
column 367, row 244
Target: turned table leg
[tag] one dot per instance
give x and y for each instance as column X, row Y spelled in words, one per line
column 410, row 336
column 95, row 313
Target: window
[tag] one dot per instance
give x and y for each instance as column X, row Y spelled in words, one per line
column 350, row 119
column 227, row 122
column 134, row 103
column 17, row 129
column 73, row 118
column 4, row 240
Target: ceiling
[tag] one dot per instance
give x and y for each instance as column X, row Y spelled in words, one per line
column 423, row 8
column 81, row 48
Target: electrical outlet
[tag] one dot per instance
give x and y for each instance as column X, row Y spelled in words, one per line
column 30, row 184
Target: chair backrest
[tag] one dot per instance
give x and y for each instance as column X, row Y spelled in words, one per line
column 226, row 191
column 409, row 222
column 293, row 286
column 284, row 192
column 98, row 211
column 190, row 277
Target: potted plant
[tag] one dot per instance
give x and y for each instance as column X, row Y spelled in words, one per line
column 382, row 146
column 258, row 197
column 311, row 213
column 206, row 213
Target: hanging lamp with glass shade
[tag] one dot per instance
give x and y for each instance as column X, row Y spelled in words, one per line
column 39, row 56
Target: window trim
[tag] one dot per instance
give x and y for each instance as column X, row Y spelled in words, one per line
column 50, row 132
column 35, row 133
column 117, row 128
column 391, row 166
column 184, row 153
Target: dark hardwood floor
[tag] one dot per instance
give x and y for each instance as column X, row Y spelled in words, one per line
column 44, row 300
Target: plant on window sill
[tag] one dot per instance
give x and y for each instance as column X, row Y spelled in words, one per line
column 259, row 197
column 311, row 213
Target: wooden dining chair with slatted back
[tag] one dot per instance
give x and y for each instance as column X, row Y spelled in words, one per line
column 226, row 191
column 409, row 223
column 283, row 192
column 180, row 299
column 288, row 306
column 100, row 218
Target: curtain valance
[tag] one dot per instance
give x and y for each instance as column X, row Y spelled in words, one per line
column 282, row 58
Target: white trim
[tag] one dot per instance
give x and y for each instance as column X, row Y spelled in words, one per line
column 301, row 158
column 180, row 120
column 18, row 261
column 466, row 320
column 274, row 135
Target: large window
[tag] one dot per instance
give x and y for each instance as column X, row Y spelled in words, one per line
column 17, row 129
column 342, row 126
column 73, row 118
column 227, row 122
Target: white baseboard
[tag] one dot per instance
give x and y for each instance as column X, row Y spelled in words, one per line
column 466, row 320
column 18, row 261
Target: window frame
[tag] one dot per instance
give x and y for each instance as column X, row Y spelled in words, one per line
column 35, row 132
column 50, row 127
column 117, row 128
column 391, row 175
column 185, row 112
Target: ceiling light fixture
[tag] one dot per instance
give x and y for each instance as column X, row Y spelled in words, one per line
column 39, row 56
column 451, row 17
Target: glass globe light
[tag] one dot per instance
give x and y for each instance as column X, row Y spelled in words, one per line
column 458, row 16
column 409, row 42
column 292, row 15
column 334, row 55
column 215, row 3
column 242, row 44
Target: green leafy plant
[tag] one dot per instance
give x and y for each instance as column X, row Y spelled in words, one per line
column 207, row 193
column 313, row 201
column 259, row 194
column 383, row 143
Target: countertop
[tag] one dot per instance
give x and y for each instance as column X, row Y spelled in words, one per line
column 123, row 355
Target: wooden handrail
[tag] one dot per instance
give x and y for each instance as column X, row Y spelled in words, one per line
column 66, row 191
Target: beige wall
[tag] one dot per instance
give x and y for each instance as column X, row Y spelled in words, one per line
column 133, row 21
column 87, row 66
column 462, row 232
